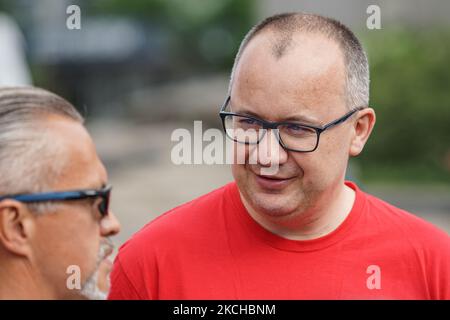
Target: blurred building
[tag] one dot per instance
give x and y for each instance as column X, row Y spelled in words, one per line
column 13, row 65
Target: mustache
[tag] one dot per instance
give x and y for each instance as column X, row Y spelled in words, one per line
column 105, row 249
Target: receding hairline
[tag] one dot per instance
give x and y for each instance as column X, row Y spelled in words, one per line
column 285, row 25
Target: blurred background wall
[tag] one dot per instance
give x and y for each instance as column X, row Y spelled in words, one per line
column 138, row 69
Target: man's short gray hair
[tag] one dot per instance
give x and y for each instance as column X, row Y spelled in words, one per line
column 287, row 24
column 27, row 152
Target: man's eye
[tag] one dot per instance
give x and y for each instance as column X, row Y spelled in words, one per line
column 247, row 121
column 295, row 129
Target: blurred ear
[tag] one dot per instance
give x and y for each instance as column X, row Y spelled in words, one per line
column 16, row 225
column 362, row 128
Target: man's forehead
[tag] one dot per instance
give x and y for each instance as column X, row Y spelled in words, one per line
column 310, row 75
column 307, row 54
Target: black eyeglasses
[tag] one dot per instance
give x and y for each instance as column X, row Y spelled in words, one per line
column 292, row 136
column 104, row 194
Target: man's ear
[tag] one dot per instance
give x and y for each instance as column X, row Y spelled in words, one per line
column 16, row 225
column 362, row 128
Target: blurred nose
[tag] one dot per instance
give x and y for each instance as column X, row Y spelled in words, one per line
column 270, row 152
column 109, row 225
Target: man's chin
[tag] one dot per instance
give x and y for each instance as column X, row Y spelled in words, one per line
column 90, row 289
column 272, row 205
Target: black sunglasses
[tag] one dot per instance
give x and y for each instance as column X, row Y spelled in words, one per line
column 104, row 194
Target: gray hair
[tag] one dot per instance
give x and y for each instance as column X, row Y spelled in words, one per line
column 286, row 24
column 27, row 152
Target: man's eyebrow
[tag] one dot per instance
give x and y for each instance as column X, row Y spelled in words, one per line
column 303, row 119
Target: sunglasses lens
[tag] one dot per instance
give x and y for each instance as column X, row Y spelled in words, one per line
column 102, row 208
column 104, row 205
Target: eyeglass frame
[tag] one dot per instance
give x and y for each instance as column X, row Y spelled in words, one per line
column 104, row 193
column 274, row 125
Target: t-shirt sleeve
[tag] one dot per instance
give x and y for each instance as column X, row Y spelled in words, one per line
column 121, row 286
column 439, row 269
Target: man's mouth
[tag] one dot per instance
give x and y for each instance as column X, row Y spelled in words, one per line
column 106, row 248
column 273, row 182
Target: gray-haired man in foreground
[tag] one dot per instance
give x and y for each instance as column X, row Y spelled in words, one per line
column 54, row 197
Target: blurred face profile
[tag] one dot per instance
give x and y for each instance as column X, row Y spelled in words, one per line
column 306, row 85
column 74, row 233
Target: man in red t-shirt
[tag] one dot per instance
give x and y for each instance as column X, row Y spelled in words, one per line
column 301, row 231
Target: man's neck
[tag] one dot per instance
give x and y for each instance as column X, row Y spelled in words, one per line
column 323, row 218
column 18, row 282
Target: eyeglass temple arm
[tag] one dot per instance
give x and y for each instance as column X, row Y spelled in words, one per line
column 54, row 196
column 338, row 121
column 225, row 104
column 50, row 196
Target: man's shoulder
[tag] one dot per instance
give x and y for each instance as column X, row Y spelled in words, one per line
column 188, row 221
column 406, row 225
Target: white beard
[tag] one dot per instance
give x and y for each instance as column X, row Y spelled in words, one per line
column 90, row 289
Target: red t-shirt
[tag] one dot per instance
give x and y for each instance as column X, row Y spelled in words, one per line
column 210, row 248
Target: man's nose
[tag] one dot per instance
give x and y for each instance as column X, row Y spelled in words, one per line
column 270, row 152
column 109, row 225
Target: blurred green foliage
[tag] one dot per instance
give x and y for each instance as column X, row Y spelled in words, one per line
column 410, row 91
column 204, row 35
